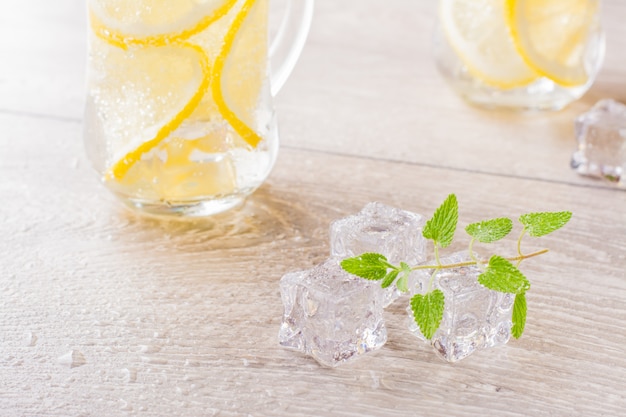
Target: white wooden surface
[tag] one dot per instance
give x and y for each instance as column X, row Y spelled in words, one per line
column 105, row 313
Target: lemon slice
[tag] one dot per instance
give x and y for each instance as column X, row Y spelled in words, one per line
column 153, row 22
column 477, row 31
column 551, row 35
column 145, row 96
column 156, row 83
column 181, row 170
column 257, row 47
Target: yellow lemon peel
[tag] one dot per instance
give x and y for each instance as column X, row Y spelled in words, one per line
column 550, row 36
column 123, row 41
column 477, row 32
column 247, row 134
column 121, row 167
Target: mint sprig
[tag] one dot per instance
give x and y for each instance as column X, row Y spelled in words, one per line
column 500, row 274
column 441, row 227
column 389, row 278
column 489, row 231
column 372, row 266
column 541, row 224
column 519, row 315
column 402, row 283
column 428, row 311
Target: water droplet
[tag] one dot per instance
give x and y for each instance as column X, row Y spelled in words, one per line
column 129, row 375
column 154, row 360
column 148, row 349
column 72, row 359
column 30, row 339
column 125, row 406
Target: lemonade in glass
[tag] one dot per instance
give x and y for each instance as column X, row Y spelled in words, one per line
column 520, row 54
column 179, row 117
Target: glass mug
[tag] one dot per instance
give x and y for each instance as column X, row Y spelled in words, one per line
column 179, row 117
column 519, row 54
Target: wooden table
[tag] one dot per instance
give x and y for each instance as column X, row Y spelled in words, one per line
column 106, row 313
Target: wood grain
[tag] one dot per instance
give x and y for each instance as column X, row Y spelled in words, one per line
column 107, row 313
column 367, row 86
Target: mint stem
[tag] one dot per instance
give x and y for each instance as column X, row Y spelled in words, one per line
column 471, row 250
column 519, row 247
column 437, row 254
column 519, row 242
column 432, row 278
column 469, row 263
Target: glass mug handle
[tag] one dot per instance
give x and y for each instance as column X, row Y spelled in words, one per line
column 289, row 41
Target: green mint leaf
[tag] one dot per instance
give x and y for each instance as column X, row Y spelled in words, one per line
column 428, row 311
column 442, row 225
column 390, row 278
column 519, row 315
column 501, row 275
column 402, row 284
column 540, row 224
column 490, row 230
column 371, row 266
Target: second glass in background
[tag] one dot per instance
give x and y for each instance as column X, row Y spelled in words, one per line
column 519, row 54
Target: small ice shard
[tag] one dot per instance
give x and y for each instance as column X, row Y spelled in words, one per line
column 601, row 135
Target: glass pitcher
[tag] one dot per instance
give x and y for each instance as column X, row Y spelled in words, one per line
column 519, row 54
column 179, row 117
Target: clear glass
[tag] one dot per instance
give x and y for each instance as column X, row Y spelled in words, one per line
column 495, row 60
column 179, row 117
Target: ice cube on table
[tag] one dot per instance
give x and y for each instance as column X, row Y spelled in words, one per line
column 474, row 317
column 601, row 135
column 331, row 315
column 394, row 233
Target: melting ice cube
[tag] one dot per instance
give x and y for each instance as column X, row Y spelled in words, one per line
column 392, row 232
column 331, row 315
column 601, row 135
column 474, row 317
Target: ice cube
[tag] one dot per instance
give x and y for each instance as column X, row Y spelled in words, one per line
column 331, row 315
column 392, row 232
column 474, row 317
column 601, row 135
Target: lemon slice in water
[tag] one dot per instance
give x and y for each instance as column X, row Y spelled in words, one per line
column 245, row 57
column 154, row 22
column 157, row 81
column 477, row 31
column 144, row 95
column 551, row 36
